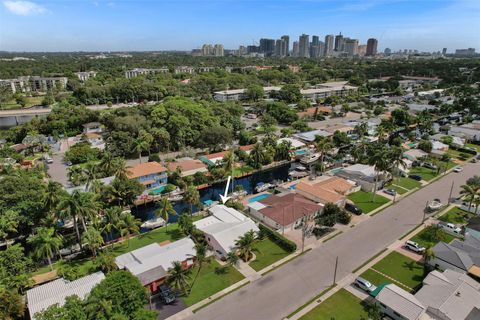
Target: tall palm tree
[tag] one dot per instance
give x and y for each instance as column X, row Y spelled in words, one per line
column 185, row 223
column 469, row 192
column 111, row 220
column 397, row 160
column 90, row 172
column 52, row 196
column 282, row 151
column 379, row 159
column 200, row 259
column 257, row 155
column 232, row 258
column 323, row 146
column 192, row 197
column 93, row 240
column 428, row 254
column 70, row 205
column 89, row 207
column 228, row 162
column 361, row 129
column 165, row 210
column 107, row 164
column 140, row 145
column 178, row 277
column 245, row 245
column 120, row 168
column 45, row 244
column 75, row 175
column 129, row 225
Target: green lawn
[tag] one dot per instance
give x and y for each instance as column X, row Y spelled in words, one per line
column 456, row 216
column 401, row 268
column 426, row 237
column 341, row 306
column 375, row 278
column 471, row 145
column 363, row 200
column 268, row 253
column 403, row 185
column 212, row 278
column 426, row 173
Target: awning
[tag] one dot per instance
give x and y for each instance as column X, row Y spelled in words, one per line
column 375, row 292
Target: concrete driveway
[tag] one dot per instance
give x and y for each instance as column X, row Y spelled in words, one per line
column 282, row 291
column 58, row 169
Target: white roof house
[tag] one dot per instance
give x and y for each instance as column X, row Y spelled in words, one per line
column 55, row 292
column 414, row 154
column 437, row 145
column 296, row 144
column 310, row 136
column 396, row 300
column 151, row 263
column 224, row 227
column 361, row 170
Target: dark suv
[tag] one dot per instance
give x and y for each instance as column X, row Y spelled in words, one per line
column 353, row 209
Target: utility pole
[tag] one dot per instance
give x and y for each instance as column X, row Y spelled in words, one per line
column 335, row 272
column 425, row 212
column 450, row 195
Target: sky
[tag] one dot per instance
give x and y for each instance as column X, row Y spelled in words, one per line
column 141, row 25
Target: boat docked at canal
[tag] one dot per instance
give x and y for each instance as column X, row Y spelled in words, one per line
column 153, row 223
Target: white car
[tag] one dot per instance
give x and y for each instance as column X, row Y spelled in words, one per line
column 413, row 246
column 452, row 228
column 364, row 285
column 458, row 169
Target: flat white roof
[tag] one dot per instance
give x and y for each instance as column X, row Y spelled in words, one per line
column 295, row 143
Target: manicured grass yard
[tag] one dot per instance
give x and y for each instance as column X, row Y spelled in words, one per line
column 212, row 278
column 426, row 173
column 363, row 200
column 403, row 185
column 401, row 268
column 342, row 305
column 426, row 237
column 456, row 216
column 471, row 145
column 375, row 278
column 268, row 253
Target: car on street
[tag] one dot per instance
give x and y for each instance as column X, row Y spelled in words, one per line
column 365, row 285
column 413, row 246
column 458, row 169
column 391, row 192
column 415, row 177
column 353, row 209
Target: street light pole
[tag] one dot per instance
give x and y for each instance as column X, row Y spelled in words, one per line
column 335, row 272
column 450, row 195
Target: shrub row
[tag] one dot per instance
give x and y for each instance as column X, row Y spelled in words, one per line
column 283, row 242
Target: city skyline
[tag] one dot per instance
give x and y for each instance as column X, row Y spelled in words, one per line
column 184, row 25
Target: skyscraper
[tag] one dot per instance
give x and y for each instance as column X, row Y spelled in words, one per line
column 296, row 49
column 339, row 42
column 218, row 50
column 279, row 48
column 314, row 50
column 267, row 46
column 286, row 43
column 372, row 47
column 303, row 45
column 207, row 50
column 328, row 45
column 351, row 47
column 444, row 51
column 387, row 51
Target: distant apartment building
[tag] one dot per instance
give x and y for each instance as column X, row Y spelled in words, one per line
column 286, row 45
column 465, row 52
column 207, row 50
column 34, row 84
column 184, row 69
column 143, row 72
column 218, row 50
column 296, row 49
column 339, row 42
column 362, row 50
column 372, row 45
column 267, row 46
column 351, row 47
column 304, row 46
column 239, row 94
column 85, row 75
column 329, row 45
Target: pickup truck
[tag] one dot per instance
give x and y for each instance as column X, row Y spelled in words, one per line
column 451, row 228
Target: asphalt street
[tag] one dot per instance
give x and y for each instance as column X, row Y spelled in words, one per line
column 282, row 291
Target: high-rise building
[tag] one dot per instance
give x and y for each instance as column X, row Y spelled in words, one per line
column 362, row 50
column 328, row 45
column 303, row 44
column 286, row 44
column 372, row 44
column 351, row 47
column 253, row 49
column 465, row 52
column 296, row 49
column 267, row 46
column 314, row 53
column 321, row 49
column 339, row 42
column 242, row 50
column 387, row 51
column 444, row 51
column 207, row 50
column 218, row 50
column 278, row 48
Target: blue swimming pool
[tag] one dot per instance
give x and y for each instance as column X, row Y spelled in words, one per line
column 157, row 190
column 259, row 197
column 300, row 152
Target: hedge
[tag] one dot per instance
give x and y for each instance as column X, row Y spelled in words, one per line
column 464, row 150
column 283, row 242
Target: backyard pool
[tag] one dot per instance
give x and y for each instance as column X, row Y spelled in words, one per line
column 157, row 190
column 259, row 197
column 300, row 152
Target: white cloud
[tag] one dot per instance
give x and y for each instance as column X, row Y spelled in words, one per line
column 24, row 8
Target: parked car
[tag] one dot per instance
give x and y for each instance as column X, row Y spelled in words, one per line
column 413, row 246
column 364, row 285
column 46, row 157
column 391, row 192
column 167, row 294
column 458, row 169
column 474, row 160
column 430, row 166
column 451, row 228
column 353, row 209
column 415, row 177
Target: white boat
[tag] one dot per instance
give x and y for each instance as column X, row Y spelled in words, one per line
column 240, row 193
column 434, row 205
column 298, row 174
column 153, row 223
column 177, row 197
column 310, row 159
column 263, row 187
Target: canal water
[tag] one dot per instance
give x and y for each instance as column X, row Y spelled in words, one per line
column 147, row 211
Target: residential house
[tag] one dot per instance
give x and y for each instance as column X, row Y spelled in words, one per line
column 399, row 304
column 473, row 227
column 456, row 142
column 461, row 256
column 328, row 89
column 326, row 189
column 55, row 292
column 248, row 148
column 468, row 133
column 92, row 127
column 285, row 211
column 240, row 94
column 104, row 181
column 224, row 227
column 95, row 140
column 415, row 154
column 310, row 136
column 311, row 112
column 150, row 264
column 85, row 75
column 187, row 166
column 213, row 159
column 364, row 175
column 340, row 127
column 150, row 174
column 438, row 149
column 417, row 108
column 295, row 144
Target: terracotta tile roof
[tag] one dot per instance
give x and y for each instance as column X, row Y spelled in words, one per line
column 144, row 169
column 216, row 155
column 247, row 147
column 288, row 208
column 329, row 190
column 186, row 165
column 311, row 111
column 337, row 184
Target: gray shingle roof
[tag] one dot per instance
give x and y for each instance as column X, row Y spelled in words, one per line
column 452, row 255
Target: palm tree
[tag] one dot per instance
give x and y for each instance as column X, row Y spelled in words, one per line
column 70, row 206
column 165, row 210
column 192, row 197
column 245, row 245
column 120, row 168
column 129, row 225
column 232, row 258
column 112, row 220
column 323, row 146
column 140, row 145
column 256, row 155
column 107, row 164
column 282, row 151
column 361, row 129
column 200, row 259
column 380, row 161
column 185, row 223
column 90, row 172
column 397, row 160
column 52, row 196
column 93, row 240
column 89, row 207
column 75, row 175
column 45, row 244
column 178, row 277
column 470, row 192
column 8, row 224
column 428, row 254
column 228, row 162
